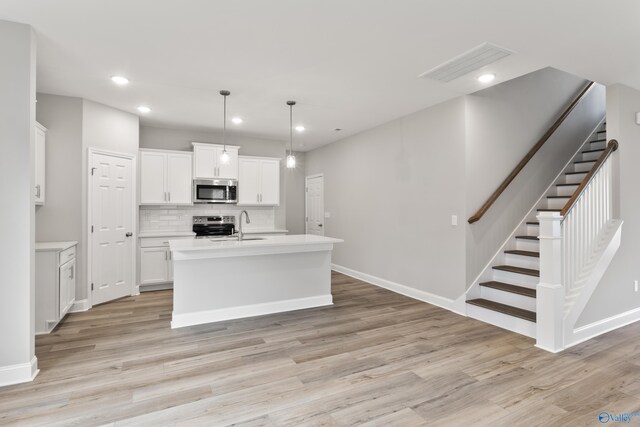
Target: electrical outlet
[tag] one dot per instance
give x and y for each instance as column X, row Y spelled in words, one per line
column 635, row 285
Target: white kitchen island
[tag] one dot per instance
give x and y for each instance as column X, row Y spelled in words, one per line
column 222, row 280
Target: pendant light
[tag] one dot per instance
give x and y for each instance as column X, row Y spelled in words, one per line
column 291, row 159
column 224, row 158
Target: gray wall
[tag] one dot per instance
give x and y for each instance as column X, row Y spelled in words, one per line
column 295, row 195
column 615, row 294
column 502, row 124
column 17, row 119
column 291, row 187
column 60, row 218
column 391, row 192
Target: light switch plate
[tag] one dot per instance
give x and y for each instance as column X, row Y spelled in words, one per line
column 454, row 219
column 327, row 214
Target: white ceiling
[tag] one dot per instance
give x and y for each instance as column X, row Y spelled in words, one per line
column 350, row 64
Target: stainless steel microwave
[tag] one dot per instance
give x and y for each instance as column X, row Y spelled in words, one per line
column 215, row 191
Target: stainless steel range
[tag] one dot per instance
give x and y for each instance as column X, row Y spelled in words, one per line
column 214, row 226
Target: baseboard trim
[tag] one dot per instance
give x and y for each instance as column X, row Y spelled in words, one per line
column 603, row 326
column 210, row 316
column 80, row 305
column 446, row 303
column 156, row 287
column 20, row 373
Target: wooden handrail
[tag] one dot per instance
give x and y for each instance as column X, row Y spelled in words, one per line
column 611, row 147
column 491, row 200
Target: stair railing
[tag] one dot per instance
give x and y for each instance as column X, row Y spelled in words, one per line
column 567, row 241
column 503, row 186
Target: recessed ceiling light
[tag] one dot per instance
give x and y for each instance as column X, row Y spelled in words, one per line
column 486, row 78
column 300, row 128
column 144, row 109
column 236, row 120
column 120, row 80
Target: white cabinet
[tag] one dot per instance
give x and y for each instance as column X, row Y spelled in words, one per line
column 55, row 287
column 156, row 264
column 39, row 163
column 207, row 163
column 258, row 181
column 165, row 177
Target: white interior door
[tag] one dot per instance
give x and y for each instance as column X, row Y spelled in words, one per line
column 314, row 205
column 111, row 219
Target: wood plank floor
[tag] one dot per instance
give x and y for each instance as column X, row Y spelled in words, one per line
column 375, row 358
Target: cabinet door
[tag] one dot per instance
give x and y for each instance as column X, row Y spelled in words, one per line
column 230, row 170
column 153, row 265
column 153, row 178
column 205, row 162
column 269, row 182
column 39, row 166
column 179, row 178
column 67, row 287
column 248, row 193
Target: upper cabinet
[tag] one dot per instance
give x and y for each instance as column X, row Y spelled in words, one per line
column 259, row 181
column 39, row 164
column 165, row 177
column 207, row 164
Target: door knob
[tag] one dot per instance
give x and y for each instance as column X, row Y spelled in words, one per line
column 319, row 225
column 129, row 234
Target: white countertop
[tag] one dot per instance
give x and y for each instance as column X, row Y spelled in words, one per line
column 204, row 248
column 265, row 231
column 144, row 234
column 54, row 246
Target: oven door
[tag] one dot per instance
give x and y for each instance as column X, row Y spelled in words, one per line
column 214, row 191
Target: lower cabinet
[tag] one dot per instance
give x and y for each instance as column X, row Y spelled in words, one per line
column 55, row 287
column 156, row 265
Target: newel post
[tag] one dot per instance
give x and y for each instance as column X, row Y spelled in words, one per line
column 550, row 290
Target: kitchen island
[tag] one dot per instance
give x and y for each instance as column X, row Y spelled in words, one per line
column 222, row 280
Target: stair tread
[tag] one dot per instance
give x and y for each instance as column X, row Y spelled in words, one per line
column 597, row 150
column 504, row 308
column 585, row 161
column 576, row 173
column 558, row 197
column 528, row 237
column 518, row 270
column 568, row 185
column 523, row 253
column 533, row 223
column 548, row 210
column 598, row 140
column 507, row 287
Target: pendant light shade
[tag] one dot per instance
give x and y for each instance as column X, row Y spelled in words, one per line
column 291, row 159
column 224, row 157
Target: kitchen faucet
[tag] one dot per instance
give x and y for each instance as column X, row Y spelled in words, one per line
column 240, row 223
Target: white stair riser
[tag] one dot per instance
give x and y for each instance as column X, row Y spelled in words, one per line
column 574, row 179
column 582, row 167
column 522, row 261
column 591, row 156
column 508, row 298
column 520, row 326
column 595, row 145
column 515, row 278
column 527, row 245
column 565, row 190
column 533, row 230
column 555, row 203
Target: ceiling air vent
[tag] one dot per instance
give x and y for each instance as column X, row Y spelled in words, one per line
column 469, row 61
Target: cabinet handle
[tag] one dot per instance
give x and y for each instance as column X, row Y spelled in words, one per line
column 257, row 197
column 169, row 196
column 38, row 191
column 166, row 257
column 72, row 272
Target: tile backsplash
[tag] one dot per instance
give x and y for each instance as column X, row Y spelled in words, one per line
column 180, row 218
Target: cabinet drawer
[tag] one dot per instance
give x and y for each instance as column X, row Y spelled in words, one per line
column 67, row 255
column 154, row 242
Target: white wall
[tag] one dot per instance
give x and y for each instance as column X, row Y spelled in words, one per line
column 615, row 294
column 391, row 192
column 502, row 124
column 60, row 219
column 181, row 139
column 17, row 121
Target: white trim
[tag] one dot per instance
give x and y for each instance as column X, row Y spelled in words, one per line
column 134, row 220
column 457, row 305
column 306, row 209
column 156, row 287
column 584, row 333
column 20, row 373
column 80, row 305
column 209, row 316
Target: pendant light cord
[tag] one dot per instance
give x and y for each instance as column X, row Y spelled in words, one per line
column 224, row 125
column 290, row 130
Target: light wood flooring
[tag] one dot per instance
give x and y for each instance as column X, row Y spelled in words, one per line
column 375, row 358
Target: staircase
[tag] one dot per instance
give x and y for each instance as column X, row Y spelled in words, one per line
column 506, row 294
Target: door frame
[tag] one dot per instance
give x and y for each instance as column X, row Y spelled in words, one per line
column 306, row 208
column 134, row 217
